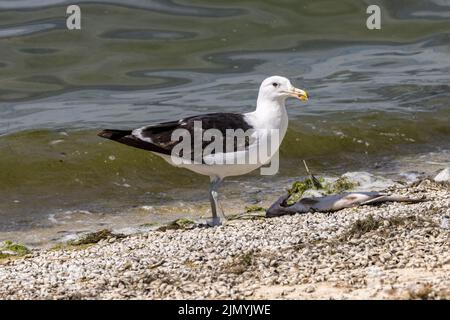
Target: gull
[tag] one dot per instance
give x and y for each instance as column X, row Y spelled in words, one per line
column 233, row 140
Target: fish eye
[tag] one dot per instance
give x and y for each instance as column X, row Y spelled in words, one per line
column 276, row 85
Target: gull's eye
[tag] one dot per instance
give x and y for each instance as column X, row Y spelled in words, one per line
column 275, row 84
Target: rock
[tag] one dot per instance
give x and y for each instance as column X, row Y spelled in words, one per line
column 310, row 289
column 444, row 223
column 385, row 256
column 443, row 176
column 8, row 252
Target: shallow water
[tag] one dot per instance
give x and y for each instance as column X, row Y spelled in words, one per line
column 380, row 100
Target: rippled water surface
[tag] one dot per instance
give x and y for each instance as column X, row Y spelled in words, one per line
column 380, row 100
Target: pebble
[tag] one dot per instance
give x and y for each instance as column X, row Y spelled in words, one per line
column 245, row 259
column 443, row 176
column 310, row 289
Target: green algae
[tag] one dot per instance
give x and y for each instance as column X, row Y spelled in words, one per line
column 11, row 249
column 182, row 223
column 299, row 188
column 254, row 208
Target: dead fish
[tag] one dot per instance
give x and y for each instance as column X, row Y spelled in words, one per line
column 333, row 202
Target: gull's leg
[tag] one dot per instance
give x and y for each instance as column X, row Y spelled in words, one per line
column 217, row 213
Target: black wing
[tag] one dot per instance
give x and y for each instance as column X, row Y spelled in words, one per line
column 158, row 138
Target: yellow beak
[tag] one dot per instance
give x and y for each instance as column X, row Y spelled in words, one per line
column 299, row 93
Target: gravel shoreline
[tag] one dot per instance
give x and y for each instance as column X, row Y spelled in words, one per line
column 394, row 251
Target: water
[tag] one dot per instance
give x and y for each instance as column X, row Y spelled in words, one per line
column 380, row 100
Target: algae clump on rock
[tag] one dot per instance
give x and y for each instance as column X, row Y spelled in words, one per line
column 11, row 249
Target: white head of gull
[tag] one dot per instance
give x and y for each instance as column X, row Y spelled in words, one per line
column 270, row 116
